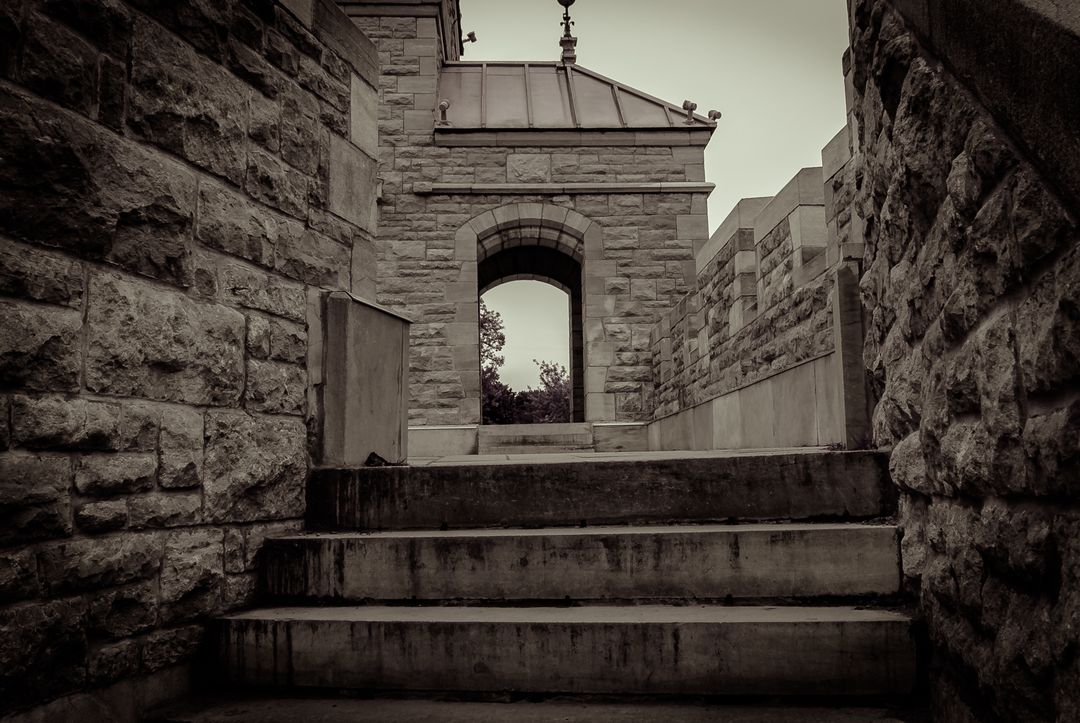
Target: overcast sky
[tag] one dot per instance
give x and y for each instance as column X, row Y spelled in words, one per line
column 772, row 67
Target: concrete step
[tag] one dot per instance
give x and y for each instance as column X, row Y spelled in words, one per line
column 642, row 650
column 383, row 710
column 623, row 489
column 583, row 564
column 535, row 438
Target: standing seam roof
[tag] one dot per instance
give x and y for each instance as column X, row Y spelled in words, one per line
column 551, row 95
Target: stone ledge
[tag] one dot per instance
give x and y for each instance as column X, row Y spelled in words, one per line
column 557, row 189
column 503, row 137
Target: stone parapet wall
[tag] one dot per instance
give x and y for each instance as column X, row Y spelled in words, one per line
column 180, row 183
column 971, row 283
column 763, row 301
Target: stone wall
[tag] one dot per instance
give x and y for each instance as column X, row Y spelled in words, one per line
column 971, row 288
column 180, row 181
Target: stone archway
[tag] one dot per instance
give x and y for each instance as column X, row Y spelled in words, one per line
column 539, row 242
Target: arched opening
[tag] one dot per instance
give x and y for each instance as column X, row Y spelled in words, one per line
column 552, row 266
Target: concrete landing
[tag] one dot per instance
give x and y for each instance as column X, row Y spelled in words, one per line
column 620, row 488
column 647, row 649
column 689, row 562
column 329, row 710
column 535, row 438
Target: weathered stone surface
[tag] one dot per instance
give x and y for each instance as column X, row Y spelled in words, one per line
column 192, row 573
column 256, row 290
column 123, row 612
column 91, row 563
column 5, row 426
column 111, row 474
column 39, row 347
column 233, row 224
column 140, row 425
column 162, row 346
column 275, row 388
column 312, row 258
column 180, row 458
column 255, row 467
column 39, row 422
column 42, row 650
column 29, row 273
column 183, row 102
column 288, row 342
column 165, row 509
column 59, row 65
column 106, row 23
column 101, row 516
column 70, row 185
column 34, row 497
column 276, row 184
column 113, row 661
column 18, row 575
column 170, row 646
column 257, row 344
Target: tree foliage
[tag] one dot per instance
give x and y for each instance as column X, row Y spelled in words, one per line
column 501, row 404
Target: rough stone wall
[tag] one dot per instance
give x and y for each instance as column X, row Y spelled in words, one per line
column 971, row 287
column 168, row 209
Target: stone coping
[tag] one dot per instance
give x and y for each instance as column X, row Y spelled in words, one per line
column 372, row 304
column 806, row 188
column 559, row 189
column 741, row 216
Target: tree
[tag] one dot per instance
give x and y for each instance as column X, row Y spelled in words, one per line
column 500, row 404
column 497, row 399
column 551, row 402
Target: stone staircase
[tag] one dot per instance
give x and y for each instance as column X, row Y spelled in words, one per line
column 740, row 575
column 535, row 438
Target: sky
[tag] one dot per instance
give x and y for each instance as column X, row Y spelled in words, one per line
column 772, row 67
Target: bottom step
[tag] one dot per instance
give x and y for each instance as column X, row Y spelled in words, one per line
column 325, row 710
column 646, row 649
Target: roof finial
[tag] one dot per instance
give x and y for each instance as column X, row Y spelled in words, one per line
column 567, row 41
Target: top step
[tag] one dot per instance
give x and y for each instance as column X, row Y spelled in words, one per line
column 610, row 489
column 534, row 438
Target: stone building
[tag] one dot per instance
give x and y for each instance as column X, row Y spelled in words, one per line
column 216, row 220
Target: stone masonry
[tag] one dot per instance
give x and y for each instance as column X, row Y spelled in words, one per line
column 971, row 288
column 640, row 264
column 179, row 183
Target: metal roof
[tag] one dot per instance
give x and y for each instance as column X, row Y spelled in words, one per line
column 551, row 95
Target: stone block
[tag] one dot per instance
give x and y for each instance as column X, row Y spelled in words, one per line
column 112, row 474
column 89, row 564
column 18, row 576
column 159, row 345
column 276, row 184
column 42, row 650
column 599, row 407
column 107, row 24
column 255, row 467
column 275, row 388
column 233, row 224
column 247, row 287
column 300, row 133
column 59, row 423
column 192, row 573
column 167, row 647
column 243, row 544
column 363, row 116
column 353, row 184
column 59, row 65
column 140, row 425
column 39, row 347
column 307, row 256
column 101, row 516
column 187, row 104
column 34, row 498
column 528, row 168
column 112, row 661
column 75, row 186
column 165, row 509
column 180, row 453
column 31, row 273
column 123, row 612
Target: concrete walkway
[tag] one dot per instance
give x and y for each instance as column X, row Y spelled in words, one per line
column 429, row 711
column 558, row 457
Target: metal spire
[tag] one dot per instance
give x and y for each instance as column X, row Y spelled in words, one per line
column 567, row 41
